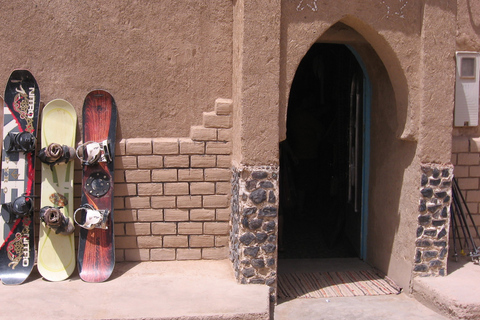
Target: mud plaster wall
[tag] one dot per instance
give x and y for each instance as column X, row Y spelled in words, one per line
column 165, row 62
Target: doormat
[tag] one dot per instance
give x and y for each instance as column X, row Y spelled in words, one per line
column 334, row 284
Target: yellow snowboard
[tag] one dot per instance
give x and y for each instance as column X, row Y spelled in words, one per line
column 56, row 252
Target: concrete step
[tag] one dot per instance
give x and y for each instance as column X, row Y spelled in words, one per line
column 456, row 295
column 148, row 290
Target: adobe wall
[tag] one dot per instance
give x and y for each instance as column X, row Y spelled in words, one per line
column 164, row 62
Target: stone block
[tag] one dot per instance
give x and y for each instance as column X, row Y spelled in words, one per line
column 162, row 254
column 215, row 174
column 189, row 202
column 163, row 202
column 175, row 215
column 176, row 188
column 203, row 161
column 216, row 201
column 214, row 147
column 212, row 120
column 189, row 254
column 190, row 175
column 165, row 146
column 138, row 228
column 149, row 189
column 200, row 133
column 188, row 146
column 202, row 241
column 137, row 176
column 223, row 106
column 149, row 215
column 164, row 175
column 202, row 215
column 126, row 162
column 137, row 146
column 224, row 161
column 202, row 188
column 149, row 242
column 149, row 162
column 163, row 228
column 471, row 159
column 216, row 228
column 224, row 135
column 215, row 253
column 182, row 161
column 137, row 202
column 190, row 228
column 175, row 241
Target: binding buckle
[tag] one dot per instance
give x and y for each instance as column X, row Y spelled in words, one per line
column 95, row 152
column 92, row 218
column 18, row 208
column 55, row 153
column 19, row 141
column 56, row 220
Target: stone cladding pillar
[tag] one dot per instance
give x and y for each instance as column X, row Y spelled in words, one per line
column 433, row 220
column 255, row 225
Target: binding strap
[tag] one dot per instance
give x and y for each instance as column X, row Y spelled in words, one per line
column 18, row 208
column 92, row 218
column 55, row 153
column 56, row 220
column 92, row 152
column 19, row 141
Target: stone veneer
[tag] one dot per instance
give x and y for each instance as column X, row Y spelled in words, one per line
column 253, row 237
column 433, row 220
column 172, row 195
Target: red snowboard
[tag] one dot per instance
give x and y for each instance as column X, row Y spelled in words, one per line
column 96, row 251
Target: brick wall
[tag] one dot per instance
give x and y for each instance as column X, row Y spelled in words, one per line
column 466, row 159
column 172, row 195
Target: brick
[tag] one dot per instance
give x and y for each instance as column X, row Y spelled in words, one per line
column 223, row 106
column 118, row 203
column 200, row 133
column 218, row 174
column 202, row 241
column 468, row 183
column 162, row 254
column 119, row 229
column 188, row 146
column 133, row 229
column 190, row 228
column 137, row 202
column 216, row 228
column 202, row 215
column 120, row 147
column 164, row 175
column 119, row 176
column 190, row 174
column 224, row 135
column 163, row 202
column 474, row 171
column 222, row 241
column 137, row 255
column 176, row 188
column 150, row 189
column 165, row 146
column 164, row 228
column 175, row 215
column 223, row 188
column 473, row 196
column 138, row 146
column 150, row 162
column 460, row 144
column 212, row 120
column 149, row 241
column 223, row 214
column 175, row 241
column 125, row 242
column 120, row 255
column 468, row 159
column 203, row 161
column 216, row 201
column 215, row 253
column 189, row 202
column 126, row 162
column 125, row 189
column 224, row 161
column 202, row 188
column 453, row 159
column 137, row 176
column 462, row 171
column 474, row 144
column 189, row 254
column 125, row 215
column 150, row 215
column 218, row 148
column 182, row 161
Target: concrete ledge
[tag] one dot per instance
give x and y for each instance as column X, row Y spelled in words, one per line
column 149, row 290
column 456, row 295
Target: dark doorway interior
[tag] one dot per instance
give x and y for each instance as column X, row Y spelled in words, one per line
column 321, row 159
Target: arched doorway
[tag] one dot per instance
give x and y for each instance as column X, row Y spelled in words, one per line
column 324, row 159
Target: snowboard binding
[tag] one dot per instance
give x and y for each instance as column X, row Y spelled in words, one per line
column 92, row 218
column 95, row 152
column 56, row 220
column 20, row 141
column 55, row 154
column 18, row 208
